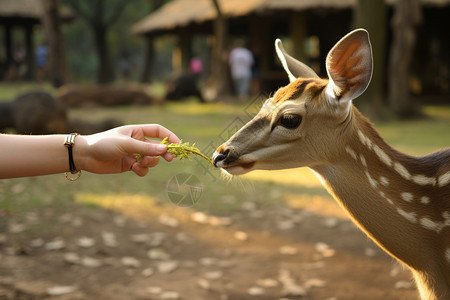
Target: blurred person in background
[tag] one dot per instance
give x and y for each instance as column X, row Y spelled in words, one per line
column 41, row 58
column 241, row 61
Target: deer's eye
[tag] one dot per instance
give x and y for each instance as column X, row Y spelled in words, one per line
column 290, row 121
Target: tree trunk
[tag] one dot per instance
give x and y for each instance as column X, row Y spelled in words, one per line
column 407, row 15
column 104, row 70
column 100, row 30
column 100, row 24
column 29, row 50
column 148, row 65
column 371, row 15
column 8, row 43
column 150, row 51
column 57, row 54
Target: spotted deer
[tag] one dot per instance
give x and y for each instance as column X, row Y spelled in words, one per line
column 401, row 202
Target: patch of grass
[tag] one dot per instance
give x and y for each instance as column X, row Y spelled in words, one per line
column 9, row 91
column 419, row 137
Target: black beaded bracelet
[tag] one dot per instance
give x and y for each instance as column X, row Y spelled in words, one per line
column 69, row 142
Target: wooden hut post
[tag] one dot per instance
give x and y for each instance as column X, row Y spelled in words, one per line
column 298, row 32
column 8, row 44
column 261, row 47
column 59, row 71
column 149, row 56
column 29, row 48
column 181, row 54
column 259, row 39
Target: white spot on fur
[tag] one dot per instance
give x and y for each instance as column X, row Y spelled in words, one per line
column 444, row 179
column 412, row 217
column 351, row 152
column 408, row 216
column 446, row 215
column 408, row 197
column 436, row 226
column 447, row 255
column 430, row 224
column 418, row 179
column 425, row 200
column 382, row 194
column 372, row 181
column 384, row 181
column 364, row 139
column 424, row 180
column 402, row 171
column 363, row 160
column 382, row 155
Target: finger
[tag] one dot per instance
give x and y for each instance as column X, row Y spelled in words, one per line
column 158, row 131
column 144, row 148
column 148, row 161
column 128, row 162
column 139, row 170
column 168, row 156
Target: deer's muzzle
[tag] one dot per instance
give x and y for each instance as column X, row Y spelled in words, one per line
column 221, row 158
column 229, row 160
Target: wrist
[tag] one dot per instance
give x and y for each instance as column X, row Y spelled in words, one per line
column 79, row 152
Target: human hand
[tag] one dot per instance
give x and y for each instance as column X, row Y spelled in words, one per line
column 116, row 150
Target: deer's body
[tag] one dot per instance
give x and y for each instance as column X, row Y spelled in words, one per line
column 385, row 191
column 401, row 202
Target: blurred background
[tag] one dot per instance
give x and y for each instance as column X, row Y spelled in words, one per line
column 90, row 65
column 154, row 41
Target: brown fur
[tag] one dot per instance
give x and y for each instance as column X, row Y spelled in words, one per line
column 295, row 89
column 421, row 249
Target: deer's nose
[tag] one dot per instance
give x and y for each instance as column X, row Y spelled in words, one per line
column 220, row 156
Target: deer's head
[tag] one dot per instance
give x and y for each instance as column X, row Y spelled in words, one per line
column 302, row 124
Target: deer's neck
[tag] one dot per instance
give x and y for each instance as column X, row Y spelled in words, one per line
column 390, row 195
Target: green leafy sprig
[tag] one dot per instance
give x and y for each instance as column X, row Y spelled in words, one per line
column 184, row 150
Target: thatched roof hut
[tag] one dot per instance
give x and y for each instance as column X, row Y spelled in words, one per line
column 261, row 21
column 24, row 9
column 23, row 14
column 256, row 20
column 180, row 13
column 20, row 9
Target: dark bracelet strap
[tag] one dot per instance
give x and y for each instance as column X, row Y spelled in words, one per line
column 69, row 142
column 72, row 167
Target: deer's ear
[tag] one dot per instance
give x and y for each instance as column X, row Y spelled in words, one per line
column 294, row 68
column 349, row 66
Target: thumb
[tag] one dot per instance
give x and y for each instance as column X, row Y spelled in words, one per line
column 146, row 148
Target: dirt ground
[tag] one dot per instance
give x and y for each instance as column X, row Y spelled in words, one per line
column 92, row 253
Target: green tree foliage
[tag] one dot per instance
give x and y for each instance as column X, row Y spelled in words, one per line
column 100, row 38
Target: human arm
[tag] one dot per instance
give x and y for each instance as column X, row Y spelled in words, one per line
column 112, row 151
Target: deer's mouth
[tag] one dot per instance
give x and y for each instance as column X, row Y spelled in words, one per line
column 239, row 169
column 231, row 164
